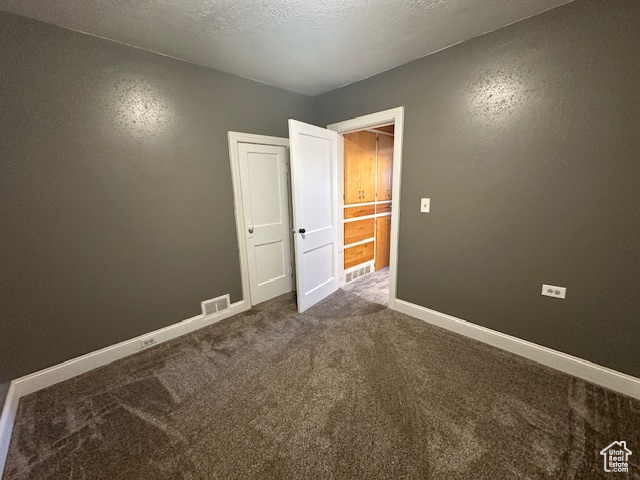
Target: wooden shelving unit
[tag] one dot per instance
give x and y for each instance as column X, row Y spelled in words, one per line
column 368, row 168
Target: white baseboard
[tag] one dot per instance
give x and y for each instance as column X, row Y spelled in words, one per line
column 591, row 372
column 77, row 366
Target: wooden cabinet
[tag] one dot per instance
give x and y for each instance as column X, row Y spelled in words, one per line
column 383, row 241
column 383, row 207
column 359, row 254
column 358, row 231
column 368, row 178
column 385, row 167
column 359, row 167
column 364, row 210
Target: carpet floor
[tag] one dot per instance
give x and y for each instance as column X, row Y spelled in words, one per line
column 349, row 389
column 373, row 287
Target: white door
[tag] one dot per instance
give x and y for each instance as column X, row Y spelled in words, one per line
column 265, row 202
column 314, row 179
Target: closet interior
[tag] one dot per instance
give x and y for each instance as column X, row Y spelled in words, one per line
column 368, row 167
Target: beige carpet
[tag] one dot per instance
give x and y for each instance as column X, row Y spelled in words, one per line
column 349, row 389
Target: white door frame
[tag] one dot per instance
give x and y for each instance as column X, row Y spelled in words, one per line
column 234, row 139
column 395, row 116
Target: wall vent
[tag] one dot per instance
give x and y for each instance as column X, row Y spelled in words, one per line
column 357, row 272
column 364, row 270
column 215, row 305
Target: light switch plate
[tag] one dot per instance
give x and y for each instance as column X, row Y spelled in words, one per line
column 425, row 205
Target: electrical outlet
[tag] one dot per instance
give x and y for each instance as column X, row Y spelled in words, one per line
column 425, row 205
column 147, row 342
column 553, row 291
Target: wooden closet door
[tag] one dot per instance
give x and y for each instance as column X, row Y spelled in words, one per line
column 368, row 166
column 352, row 155
column 383, row 241
column 385, row 166
column 359, row 167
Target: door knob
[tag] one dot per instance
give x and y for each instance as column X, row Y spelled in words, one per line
column 250, row 229
column 302, row 230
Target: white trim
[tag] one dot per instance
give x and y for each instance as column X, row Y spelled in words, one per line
column 234, row 158
column 591, row 372
column 77, row 366
column 365, row 204
column 395, row 116
column 380, row 132
column 361, row 242
column 365, row 217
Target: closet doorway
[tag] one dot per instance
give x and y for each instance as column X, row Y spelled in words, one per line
column 369, row 181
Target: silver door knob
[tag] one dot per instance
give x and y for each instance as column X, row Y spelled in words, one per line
column 250, row 229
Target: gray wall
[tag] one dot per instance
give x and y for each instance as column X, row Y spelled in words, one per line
column 4, row 389
column 527, row 142
column 116, row 216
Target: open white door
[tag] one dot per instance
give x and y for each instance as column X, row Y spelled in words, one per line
column 314, row 181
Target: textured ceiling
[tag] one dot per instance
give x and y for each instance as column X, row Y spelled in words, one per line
column 307, row 46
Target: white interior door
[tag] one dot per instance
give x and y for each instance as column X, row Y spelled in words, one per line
column 314, row 179
column 265, row 203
